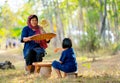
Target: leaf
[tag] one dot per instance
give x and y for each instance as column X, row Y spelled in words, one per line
column 87, row 65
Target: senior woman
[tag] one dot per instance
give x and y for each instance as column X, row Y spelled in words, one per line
column 34, row 50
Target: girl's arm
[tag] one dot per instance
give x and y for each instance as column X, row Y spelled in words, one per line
column 58, row 49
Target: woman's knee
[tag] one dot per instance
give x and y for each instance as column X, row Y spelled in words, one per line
column 31, row 52
column 30, row 56
column 39, row 58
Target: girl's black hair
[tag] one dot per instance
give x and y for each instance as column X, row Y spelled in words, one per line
column 67, row 43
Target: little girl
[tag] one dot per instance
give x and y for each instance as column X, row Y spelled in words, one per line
column 67, row 62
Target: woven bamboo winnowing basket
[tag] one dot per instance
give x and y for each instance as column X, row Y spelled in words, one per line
column 43, row 36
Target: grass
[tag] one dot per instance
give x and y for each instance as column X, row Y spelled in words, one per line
column 103, row 70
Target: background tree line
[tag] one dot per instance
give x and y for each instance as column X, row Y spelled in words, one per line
column 91, row 24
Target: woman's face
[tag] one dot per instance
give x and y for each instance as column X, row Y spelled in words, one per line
column 34, row 22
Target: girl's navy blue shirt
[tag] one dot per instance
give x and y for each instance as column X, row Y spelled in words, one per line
column 26, row 32
column 68, row 57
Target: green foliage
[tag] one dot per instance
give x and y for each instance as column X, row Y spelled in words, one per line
column 7, row 17
column 90, row 14
column 83, row 58
column 23, row 14
column 89, row 3
column 90, row 42
column 2, row 32
column 93, row 16
column 116, row 49
column 15, row 32
column 71, row 3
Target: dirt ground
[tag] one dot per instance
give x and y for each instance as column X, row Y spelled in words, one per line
column 103, row 67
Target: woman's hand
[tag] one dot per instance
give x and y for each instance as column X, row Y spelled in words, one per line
column 26, row 39
column 47, row 40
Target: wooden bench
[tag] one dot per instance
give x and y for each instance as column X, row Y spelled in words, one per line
column 44, row 68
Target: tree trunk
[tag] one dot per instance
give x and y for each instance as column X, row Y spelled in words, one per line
column 59, row 24
column 114, row 8
column 103, row 26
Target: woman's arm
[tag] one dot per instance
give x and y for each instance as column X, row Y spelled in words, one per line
column 26, row 39
column 24, row 35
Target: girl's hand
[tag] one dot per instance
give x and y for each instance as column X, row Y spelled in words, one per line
column 58, row 49
column 60, row 62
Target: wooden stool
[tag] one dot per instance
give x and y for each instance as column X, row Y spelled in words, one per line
column 45, row 68
column 72, row 75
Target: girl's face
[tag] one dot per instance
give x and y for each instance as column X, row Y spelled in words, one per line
column 34, row 22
